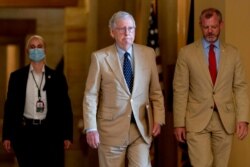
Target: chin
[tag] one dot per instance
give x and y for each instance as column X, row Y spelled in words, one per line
column 211, row 40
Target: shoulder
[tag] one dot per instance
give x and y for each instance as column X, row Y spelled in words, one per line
column 231, row 52
column 191, row 50
column 49, row 69
column 106, row 50
column 192, row 46
column 22, row 71
column 101, row 54
column 52, row 73
column 144, row 51
column 142, row 47
column 228, row 47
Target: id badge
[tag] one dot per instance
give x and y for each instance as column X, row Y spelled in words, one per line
column 39, row 106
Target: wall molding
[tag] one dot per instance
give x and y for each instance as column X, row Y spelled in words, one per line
column 38, row 3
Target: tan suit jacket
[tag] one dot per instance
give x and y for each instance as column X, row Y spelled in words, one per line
column 194, row 93
column 108, row 102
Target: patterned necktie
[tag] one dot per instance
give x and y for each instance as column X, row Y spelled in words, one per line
column 212, row 63
column 127, row 71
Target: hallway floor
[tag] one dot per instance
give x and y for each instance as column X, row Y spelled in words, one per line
column 8, row 164
column 7, row 159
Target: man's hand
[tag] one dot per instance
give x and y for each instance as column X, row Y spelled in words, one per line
column 180, row 134
column 93, row 139
column 7, row 146
column 156, row 129
column 67, row 144
column 241, row 130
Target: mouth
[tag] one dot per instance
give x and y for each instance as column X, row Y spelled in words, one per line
column 211, row 36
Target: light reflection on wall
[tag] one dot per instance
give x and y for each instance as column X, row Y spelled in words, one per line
column 12, row 60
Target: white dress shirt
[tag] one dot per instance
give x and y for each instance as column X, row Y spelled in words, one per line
column 32, row 95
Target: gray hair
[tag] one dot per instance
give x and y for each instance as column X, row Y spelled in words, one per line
column 120, row 15
column 209, row 12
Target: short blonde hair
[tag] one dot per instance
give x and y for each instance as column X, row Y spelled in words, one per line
column 34, row 37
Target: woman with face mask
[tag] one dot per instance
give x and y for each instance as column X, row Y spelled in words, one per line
column 38, row 122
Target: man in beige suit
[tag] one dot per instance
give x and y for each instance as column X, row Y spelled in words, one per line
column 121, row 116
column 210, row 95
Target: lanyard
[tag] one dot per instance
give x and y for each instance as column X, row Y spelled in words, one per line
column 39, row 88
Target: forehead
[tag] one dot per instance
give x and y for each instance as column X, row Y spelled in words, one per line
column 214, row 19
column 124, row 22
column 36, row 41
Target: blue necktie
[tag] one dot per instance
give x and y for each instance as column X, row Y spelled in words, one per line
column 127, row 71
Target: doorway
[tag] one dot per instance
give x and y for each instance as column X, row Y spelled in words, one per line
column 13, row 35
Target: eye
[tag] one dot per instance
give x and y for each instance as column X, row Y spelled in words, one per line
column 131, row 29
column 40, row 46
column 205, row 27
column 32, row 46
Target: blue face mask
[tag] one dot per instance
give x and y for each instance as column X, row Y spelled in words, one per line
column 36, row 54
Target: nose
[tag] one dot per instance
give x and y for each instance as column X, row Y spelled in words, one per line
column 126, row 31
column 210, row 31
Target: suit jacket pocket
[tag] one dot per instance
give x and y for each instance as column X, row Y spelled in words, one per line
column 149, row 119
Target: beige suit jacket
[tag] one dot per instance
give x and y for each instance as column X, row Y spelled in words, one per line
column 108, row 103
column 194, row 93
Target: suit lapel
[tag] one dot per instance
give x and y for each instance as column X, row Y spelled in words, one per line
column 221, row 63
column 23, row 83
column 138, row 59
column 202, row 61
column 115, row 65
column 48, row 76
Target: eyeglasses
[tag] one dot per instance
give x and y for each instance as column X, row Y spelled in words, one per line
column 124, row 29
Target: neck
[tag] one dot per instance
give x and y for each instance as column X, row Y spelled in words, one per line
column 125, row 47
column 38, row 66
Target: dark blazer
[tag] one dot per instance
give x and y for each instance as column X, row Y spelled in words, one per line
column 59, row 114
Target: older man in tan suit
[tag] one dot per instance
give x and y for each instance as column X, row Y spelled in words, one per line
column 210, row 95
column 121, row 116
